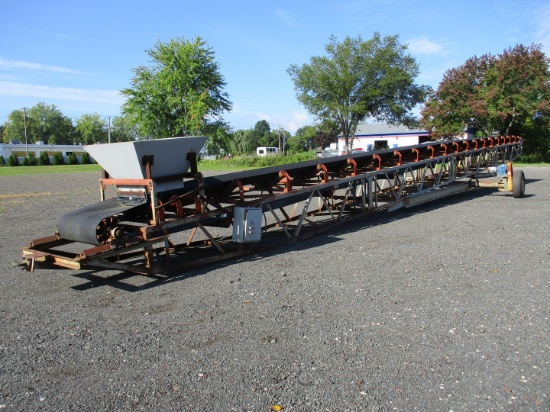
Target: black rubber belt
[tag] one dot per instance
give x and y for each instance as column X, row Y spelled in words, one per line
column 81, row 225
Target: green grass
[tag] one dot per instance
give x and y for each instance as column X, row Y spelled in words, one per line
column 220, row 166
column 530, row 164
column 207, row 165
column 32, row 170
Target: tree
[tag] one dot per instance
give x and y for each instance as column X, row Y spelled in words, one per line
column 42, row 123
column 242, row 142
column 44, row 159
column 49, row 125
column 509, row 93
column 13, row 160
column 459, row 100
column 303, row 139
column 180, row 94
column 15, row 128
column 262, row 132
column 123, row 130
column 357, row 80
column 218, row 138
column 91, row 128
column 327, row 133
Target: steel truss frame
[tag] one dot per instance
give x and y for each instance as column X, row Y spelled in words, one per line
column 297, row 201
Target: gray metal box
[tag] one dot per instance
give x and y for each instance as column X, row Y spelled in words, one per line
column 247, row 224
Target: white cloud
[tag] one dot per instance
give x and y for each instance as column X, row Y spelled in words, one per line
column 286, row 17
column 288, row 121
column 16, row 64
column 423, row 45
column 241, row 118
column 108, row 97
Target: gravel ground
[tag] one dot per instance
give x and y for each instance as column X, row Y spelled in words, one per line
column 442, row 307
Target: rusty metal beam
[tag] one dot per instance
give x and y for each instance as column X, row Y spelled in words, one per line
column 346, row 187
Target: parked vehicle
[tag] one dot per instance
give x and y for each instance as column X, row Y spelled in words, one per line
column 267, row 151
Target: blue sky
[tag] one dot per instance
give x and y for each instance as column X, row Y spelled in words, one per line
column 78, row 55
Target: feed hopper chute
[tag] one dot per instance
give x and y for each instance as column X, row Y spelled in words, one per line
column 164, row 161
column 125, row 160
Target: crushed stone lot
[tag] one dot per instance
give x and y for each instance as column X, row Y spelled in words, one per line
column 441, row 307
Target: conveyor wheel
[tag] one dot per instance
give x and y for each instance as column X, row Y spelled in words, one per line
column 518, row 184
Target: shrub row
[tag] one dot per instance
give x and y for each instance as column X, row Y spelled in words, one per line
column 251, row 161
column 44, row 159
column 539, row 157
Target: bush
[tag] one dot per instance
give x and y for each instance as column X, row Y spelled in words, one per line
column 2, row 161
column 13, row 160
column 44, row 159
column 72, row 159
column 85, row 159
column 30, row 160
column 58, row 159
column 538, row 157
column 251, row 161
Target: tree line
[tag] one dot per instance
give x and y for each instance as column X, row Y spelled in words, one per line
column 182, row 94
column 46, row 123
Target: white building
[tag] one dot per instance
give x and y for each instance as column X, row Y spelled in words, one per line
column 382, row 136
column 21, row 150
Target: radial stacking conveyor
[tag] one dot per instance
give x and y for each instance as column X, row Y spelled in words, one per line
column 166, row 216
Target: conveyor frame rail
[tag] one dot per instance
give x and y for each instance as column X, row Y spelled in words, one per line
column 344, row 188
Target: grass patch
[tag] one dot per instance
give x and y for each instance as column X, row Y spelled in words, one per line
column 246, row 162
column 222, row 165
column 515, row 163
column 41, row 170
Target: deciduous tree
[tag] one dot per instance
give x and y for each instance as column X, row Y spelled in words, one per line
column 303, row 139
column 241, row 142
column 50, row 125
column 42, row 123
column 91, row 128
column 123, row 130
column 218, row 138
column 357, row 80
column 509, row 93
column 180, row 94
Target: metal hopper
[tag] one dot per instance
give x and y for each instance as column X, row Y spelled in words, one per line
column 164, row 160
column 124, row 160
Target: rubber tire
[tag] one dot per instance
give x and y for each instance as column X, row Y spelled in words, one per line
column 518, row 184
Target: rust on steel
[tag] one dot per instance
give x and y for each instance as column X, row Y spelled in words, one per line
column 167, row 232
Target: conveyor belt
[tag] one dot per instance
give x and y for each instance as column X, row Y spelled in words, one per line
column 91, row 223
column 322, row 193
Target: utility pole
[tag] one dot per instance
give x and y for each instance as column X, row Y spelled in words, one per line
column 25, row 126
column 109, row 129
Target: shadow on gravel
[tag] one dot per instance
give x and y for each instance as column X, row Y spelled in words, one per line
column 133, row 283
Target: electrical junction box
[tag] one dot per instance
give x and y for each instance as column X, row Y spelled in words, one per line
column 247, row 224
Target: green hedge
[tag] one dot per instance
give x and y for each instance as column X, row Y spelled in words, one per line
column 252, row 161
column 44, row 159
column 13, row 160
column 85, row 158
column 58, row 159
column 72, row 159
